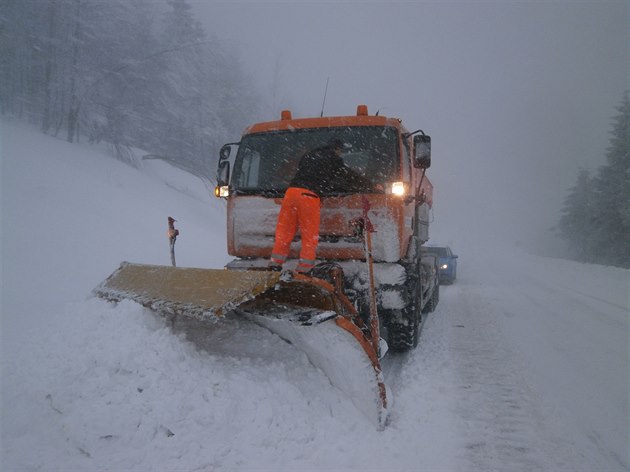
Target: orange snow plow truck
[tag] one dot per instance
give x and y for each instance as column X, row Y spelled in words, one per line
column 372, row 285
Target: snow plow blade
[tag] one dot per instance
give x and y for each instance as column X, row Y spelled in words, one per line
column 199, row 293
column 311, row 313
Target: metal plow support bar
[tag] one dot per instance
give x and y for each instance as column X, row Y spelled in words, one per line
column 308, row 312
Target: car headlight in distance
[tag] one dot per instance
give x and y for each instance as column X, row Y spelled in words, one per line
column 444, row 266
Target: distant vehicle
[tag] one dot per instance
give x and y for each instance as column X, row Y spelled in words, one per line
column 447, row 263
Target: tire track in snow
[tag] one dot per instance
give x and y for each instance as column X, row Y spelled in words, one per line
column 501, row 420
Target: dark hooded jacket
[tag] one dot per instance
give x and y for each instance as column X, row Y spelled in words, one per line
column 323, row 172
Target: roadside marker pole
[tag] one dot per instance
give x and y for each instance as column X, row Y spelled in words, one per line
column 172, row 237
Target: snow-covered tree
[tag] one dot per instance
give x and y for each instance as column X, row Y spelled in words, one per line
column 127, row 73
column 612, row 192
column 595, row 219
column 577, row 218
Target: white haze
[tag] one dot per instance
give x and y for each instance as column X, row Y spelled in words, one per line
column 516, row 95
column 523, row 366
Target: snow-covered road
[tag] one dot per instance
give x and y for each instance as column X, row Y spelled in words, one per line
column 539, row 348
column 523, row 366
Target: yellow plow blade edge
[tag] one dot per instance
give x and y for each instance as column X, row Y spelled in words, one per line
column 200, row 293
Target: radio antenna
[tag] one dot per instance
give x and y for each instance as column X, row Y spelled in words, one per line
column 324, row 102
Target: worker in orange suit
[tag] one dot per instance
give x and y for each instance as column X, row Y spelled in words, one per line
column 320, row 171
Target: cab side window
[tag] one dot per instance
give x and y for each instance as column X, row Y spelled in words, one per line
column 406, row 171
column 248, row 177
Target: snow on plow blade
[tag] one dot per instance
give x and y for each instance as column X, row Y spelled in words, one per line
column 312, row 314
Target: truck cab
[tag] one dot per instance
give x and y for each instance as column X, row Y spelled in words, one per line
column 254, row 173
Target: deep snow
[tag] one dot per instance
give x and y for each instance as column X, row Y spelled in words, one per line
column 523, row 366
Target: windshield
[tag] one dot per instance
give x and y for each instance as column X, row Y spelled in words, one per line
column 266, row 162
column 438, row 251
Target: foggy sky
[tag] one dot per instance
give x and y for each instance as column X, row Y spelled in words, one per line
column 517, row 96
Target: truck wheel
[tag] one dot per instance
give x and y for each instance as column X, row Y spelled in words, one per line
column 433, row 301
column 402, row 332
column 436, row 297
column 403, row 325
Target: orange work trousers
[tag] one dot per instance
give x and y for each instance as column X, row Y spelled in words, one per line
column 300, row 209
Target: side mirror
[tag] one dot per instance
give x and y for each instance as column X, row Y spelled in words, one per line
column 224, row 153
column 222, row 190
column 422, row 151
column 223, row 173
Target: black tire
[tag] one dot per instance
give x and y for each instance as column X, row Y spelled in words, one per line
column 403, row 326
column 416, row 329
column 403, row 329
column 402, row 337
column 433, row 301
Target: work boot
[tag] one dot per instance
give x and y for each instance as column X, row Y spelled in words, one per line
column 274, row 266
